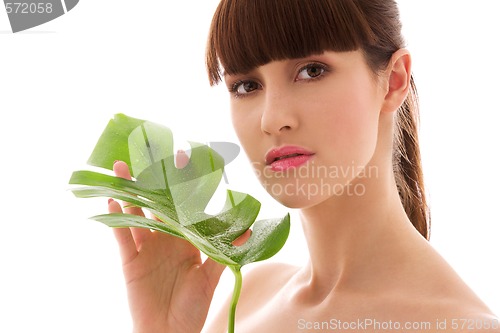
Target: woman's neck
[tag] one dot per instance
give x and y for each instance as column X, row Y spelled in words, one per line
column 356, row 240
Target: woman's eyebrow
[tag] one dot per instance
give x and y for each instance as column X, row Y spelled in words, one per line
column 226, row 74
column 236, row 73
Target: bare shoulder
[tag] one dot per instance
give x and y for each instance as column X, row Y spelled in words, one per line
column 468, row 315
column 439, row 313
column 458, row 313
column 435, row 295
column 471, row 322
column 260, row 282
column 268, row 275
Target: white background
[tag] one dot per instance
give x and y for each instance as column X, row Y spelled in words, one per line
column 61, row 82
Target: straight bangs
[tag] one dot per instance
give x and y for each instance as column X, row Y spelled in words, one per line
column 246, row 34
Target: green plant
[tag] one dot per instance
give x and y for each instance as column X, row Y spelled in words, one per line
column 178, row 197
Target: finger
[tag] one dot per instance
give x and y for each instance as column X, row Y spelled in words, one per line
column 121, row 170
column 126, row 243
column 181, row 159
column 243, row 238
column 213, row 270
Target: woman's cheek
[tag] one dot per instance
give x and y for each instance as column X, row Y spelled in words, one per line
column 247, row 129
column 354, row 133
column 242, row 124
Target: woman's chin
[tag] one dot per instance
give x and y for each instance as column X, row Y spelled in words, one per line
column 297, row 201
column 298, row 198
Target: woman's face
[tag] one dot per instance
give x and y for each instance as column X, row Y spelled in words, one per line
column 309, row 126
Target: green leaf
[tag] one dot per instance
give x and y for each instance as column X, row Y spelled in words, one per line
column 116, row 221
column 178, row 197
column 116, row 136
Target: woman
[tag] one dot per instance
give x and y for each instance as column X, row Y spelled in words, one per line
column 324, row 105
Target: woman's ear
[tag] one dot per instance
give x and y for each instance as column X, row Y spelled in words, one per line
column 399, row 75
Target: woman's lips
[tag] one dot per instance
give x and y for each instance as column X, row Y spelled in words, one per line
column 290, row 162
column 283, row 158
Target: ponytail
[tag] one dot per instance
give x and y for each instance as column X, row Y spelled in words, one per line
column 407, row 163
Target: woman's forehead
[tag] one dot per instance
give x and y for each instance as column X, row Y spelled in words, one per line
column 248, row 34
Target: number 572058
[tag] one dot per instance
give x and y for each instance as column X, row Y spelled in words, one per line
column 473, row 324
column 28, row 8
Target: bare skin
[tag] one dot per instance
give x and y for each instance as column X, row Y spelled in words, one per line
column 269, row 303
column 366, row 259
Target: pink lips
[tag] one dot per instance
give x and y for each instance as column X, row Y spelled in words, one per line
column 283, row 158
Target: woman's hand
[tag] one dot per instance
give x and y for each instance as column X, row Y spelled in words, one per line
column 169, row 287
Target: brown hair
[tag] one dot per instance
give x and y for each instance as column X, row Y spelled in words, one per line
column 246, row 34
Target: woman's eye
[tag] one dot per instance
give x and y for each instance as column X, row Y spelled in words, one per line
column 311, row 71
column 244, row 87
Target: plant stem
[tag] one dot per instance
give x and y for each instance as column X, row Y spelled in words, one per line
column 238, row 281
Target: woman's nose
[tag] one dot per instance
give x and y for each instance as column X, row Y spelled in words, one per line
column 279, row 113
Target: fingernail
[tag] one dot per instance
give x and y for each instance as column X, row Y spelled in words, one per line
column 180, row 151
column 110, row 200
column 115, row 162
